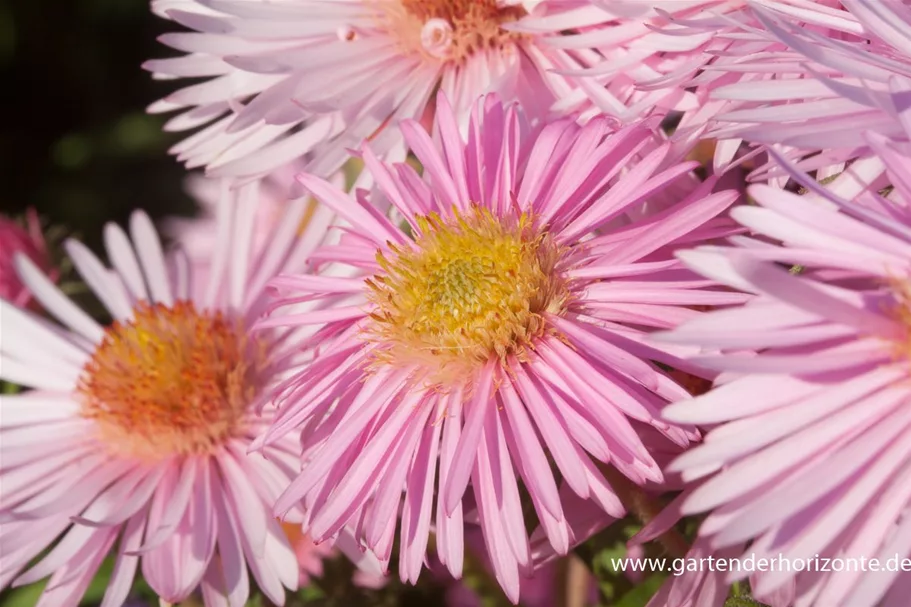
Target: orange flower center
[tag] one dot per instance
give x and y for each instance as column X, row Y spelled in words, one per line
column 452, row 30
column 172, row 381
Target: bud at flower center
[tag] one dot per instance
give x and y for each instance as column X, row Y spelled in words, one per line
column 452, row 30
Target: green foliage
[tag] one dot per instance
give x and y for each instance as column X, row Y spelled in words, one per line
column 642, row 592
column 615, row 588
column 740, row 596
column 742, row 601
column 8, row 388
column 310, row 594
column 26, row 596
column 336, row 589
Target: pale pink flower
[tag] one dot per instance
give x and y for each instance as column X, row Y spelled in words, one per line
column 298, row 76
column 198, row 237
column 489, row 336
column 134, row 440
column 310, row 555
column 812, row 453
column 854, row 83
column 28, row 241
column 817, row 88
column 617, row 52
column 723, row 53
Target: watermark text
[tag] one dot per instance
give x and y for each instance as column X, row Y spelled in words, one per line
column 754, row 564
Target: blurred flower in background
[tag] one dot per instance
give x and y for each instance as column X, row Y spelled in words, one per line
column 28, row 240
column 310, row 556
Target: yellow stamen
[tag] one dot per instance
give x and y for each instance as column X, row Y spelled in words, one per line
column 172, row 381
column 472, row 288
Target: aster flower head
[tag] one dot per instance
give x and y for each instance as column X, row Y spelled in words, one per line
column 494, row 333
column 19, row 240
column 133, row 441
column 291, row 77
column 811, row 455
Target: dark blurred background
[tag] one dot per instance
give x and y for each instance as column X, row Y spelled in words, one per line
column 76, row 142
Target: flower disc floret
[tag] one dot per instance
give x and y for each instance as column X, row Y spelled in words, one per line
column 472, row 288
column 173, row 380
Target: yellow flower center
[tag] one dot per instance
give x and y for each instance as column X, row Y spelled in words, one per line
column 471, row 288
column 451, row 30
column 172, row 381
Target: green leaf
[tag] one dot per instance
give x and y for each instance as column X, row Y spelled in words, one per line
column 604, row 550
column 95, row 592
column 742, row 601
column 8, row 388
column 642, row 592
column 311, row 592
column 27, row 596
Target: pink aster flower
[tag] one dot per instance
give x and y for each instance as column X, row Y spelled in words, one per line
column 134, row 439
column 298, row 76
column 310, row 557
column 812, row 451
column 615, row 50
column 28, row 241
column 494, row 330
